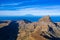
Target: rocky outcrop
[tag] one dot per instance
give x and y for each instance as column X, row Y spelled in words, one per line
column 23, row 29
column 44, row 29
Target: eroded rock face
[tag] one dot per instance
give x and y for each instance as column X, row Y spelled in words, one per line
column 44, row 29
column 58, row 24
column 48, row 28
column 26, row 30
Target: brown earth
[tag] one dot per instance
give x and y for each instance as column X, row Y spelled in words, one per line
column 44, row 29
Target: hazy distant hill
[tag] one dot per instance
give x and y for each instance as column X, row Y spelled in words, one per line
column 29, row 15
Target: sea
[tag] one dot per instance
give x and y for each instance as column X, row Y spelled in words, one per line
column 30, row 18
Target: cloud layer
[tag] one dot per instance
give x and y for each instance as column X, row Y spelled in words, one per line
column 34, row 7
column 37, row 11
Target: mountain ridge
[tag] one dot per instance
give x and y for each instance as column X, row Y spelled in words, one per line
column 43, row 29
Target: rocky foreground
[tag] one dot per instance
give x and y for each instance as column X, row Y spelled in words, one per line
column 44, row 29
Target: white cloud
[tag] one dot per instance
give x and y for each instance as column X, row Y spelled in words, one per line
column 33, row 11
column 14, row 4
column 52, row 7
column 10, row 4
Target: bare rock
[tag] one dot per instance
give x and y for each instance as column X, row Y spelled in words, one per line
column 44, row 29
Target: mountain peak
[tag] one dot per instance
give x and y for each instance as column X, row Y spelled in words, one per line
column 45, row 19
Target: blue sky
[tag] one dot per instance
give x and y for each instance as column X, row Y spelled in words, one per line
column 34, row 7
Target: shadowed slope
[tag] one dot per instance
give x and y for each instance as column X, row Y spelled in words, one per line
column 9, row 32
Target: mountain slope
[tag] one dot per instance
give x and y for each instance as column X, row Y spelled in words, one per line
column 44, row 29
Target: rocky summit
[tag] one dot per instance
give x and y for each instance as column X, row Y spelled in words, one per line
column 43, row 29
